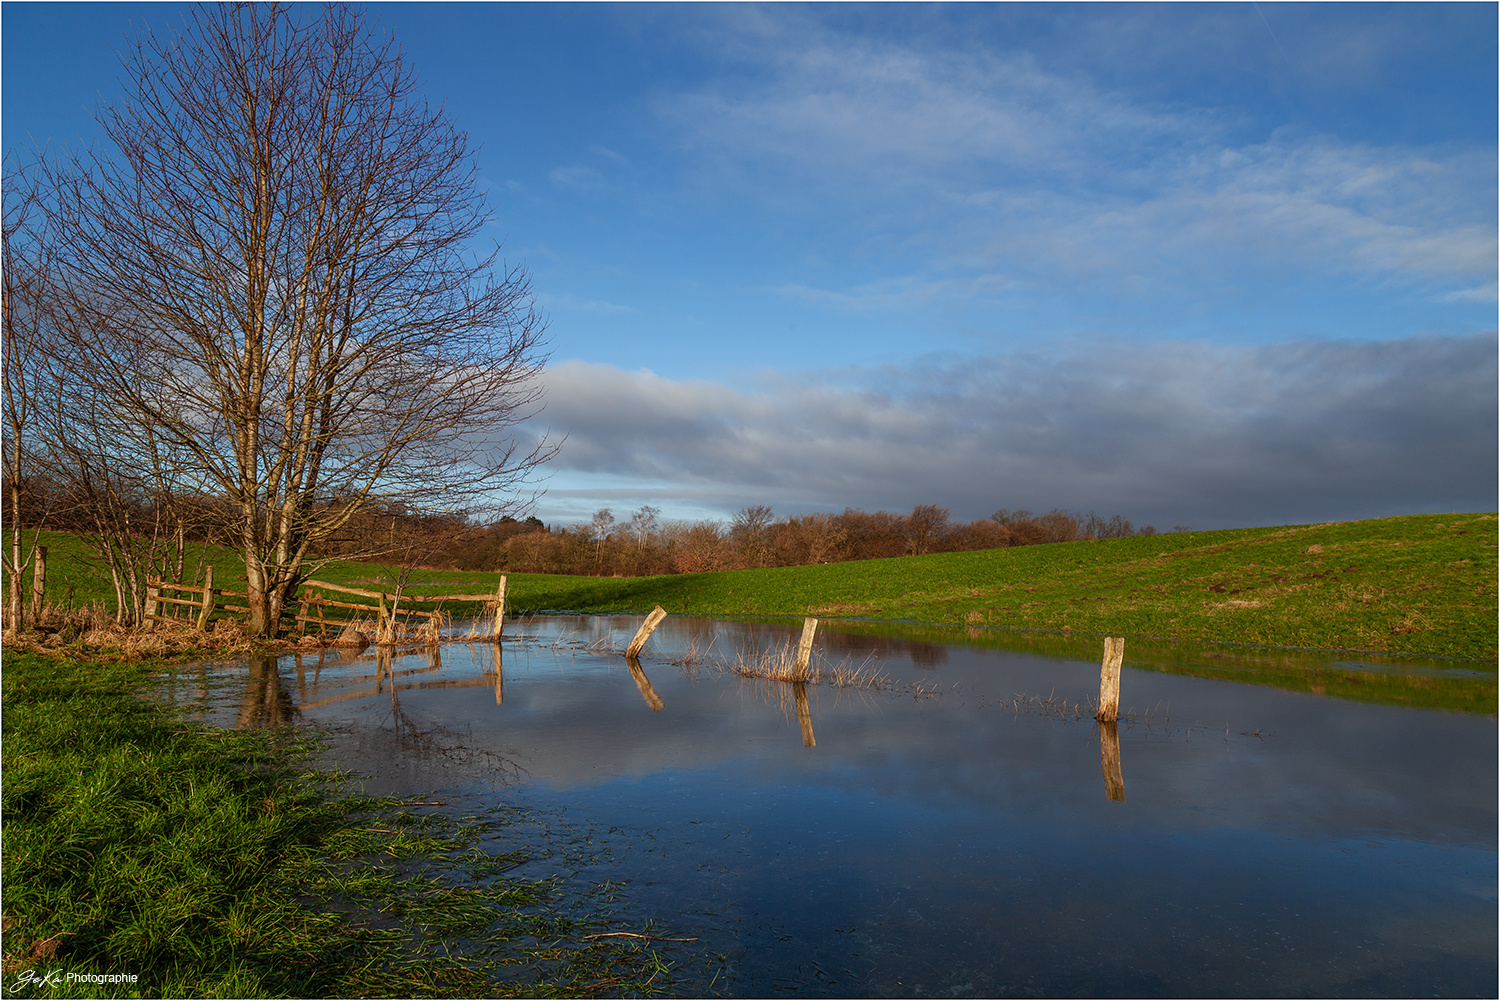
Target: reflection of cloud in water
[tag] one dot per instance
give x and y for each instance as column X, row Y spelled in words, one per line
column 569, row 719
column 956, row 840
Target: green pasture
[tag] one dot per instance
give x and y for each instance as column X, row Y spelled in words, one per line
column 1422, row 585
column 1418, row 586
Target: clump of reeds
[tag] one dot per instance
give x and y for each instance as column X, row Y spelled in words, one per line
column 604, row 646
column 780, row 664
column 692, row 656
column 776, row 664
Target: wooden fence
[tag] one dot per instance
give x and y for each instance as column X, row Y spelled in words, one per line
column 312, row 606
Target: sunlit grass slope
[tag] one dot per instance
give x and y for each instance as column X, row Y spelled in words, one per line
column 1424, row 584
column 1415, row 585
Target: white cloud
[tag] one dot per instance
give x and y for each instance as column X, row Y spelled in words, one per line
column 996, row 164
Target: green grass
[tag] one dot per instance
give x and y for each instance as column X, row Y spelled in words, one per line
column 1418, row 586
column 1412, row 682
column 208, row 864
column 1422, row 585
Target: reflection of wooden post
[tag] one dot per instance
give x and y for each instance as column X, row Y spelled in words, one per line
column 38, row 580
column 804, row 651
column 804, row 713
column 644, row 633
column 385, row 668
column 644, row 684
column 1109, row 679
column 1109, row 757
column 499, row 676
column 500, row 608
column 208, row 603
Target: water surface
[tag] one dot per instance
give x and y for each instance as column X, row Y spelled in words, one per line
column 963, row 829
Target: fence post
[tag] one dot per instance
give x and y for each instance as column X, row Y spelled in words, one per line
column 151, row 584
column 804, row 649
column 1109, row 679
column 208, row 599
column 644, row 633
column 500, row 609
column 38, row 581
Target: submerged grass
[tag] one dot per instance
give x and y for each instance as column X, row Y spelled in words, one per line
column 207, row 863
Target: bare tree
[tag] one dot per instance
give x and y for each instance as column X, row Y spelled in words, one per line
column 925, row 527
column 22, row 285
column 272, row 280
column 748, row 530
column 599, row 528
column 642, row 524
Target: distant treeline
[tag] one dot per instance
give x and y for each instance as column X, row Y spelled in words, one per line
column 645, row 544
column 641, row 543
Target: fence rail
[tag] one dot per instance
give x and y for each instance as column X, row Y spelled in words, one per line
column 308, row 607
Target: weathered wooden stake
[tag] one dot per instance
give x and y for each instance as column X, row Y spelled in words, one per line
column 208, row 602
column 1109, row 759
column 1109, row 679
column 804, row 649
column 151, row 604
column 644, row 633
column 38, row 580
column 500, row 608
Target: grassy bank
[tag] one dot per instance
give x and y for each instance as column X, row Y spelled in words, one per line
column 1419, row 585
column 209, row 864
column 1423, row 585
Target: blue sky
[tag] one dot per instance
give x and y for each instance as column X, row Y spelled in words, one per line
column 1192, row 264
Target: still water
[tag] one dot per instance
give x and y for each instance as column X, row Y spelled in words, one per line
column 960, row 829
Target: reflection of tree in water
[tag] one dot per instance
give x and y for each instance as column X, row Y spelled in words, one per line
column 267, row 703
column 427, row 741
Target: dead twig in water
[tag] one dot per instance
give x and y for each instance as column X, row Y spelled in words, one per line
column 631, row 934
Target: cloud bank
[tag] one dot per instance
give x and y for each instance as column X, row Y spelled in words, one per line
column 1165, row 433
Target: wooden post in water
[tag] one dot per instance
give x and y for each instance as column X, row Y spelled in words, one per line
column 208, row 602
column 38, row 580
column 1109, row 679
column 804, row 650
column 644, row 633
column 500, row 609
column 1109, row 759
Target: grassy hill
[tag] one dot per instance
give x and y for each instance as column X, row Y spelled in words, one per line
column 1418, row 585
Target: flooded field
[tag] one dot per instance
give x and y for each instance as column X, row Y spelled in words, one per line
column 949, row 821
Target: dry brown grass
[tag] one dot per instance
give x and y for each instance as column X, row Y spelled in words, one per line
column 780, row 664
